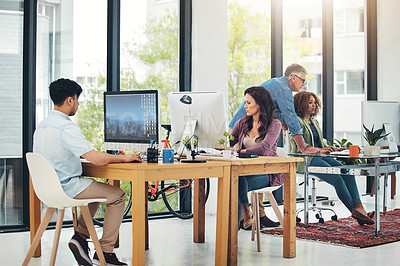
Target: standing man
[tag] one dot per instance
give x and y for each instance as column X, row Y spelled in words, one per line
column 62, row 143
column 281, row 90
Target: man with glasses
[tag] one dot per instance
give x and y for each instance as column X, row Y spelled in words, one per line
column 281, row 90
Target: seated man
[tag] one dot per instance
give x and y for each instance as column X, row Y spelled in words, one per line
column 62, row 143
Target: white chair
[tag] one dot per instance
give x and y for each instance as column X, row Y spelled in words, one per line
column 254, row 203
column 48, row 189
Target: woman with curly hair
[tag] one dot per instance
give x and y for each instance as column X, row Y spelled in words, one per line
column 257, row 132
column 307, row 106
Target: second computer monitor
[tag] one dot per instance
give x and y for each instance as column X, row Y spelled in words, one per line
column 209, row 109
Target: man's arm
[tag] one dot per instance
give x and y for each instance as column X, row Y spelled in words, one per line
column 101, row 158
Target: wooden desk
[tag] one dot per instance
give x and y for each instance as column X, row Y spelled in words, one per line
column 264, row 165
column 139, row 174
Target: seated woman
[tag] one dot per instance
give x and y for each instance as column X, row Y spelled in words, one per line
column 307, row 106
column 257, row 132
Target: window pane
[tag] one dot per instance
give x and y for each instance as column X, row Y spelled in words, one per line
column 249, row 48
column 149, row 48
column 69, row 45
column 302, row 40
column 349, row 69
column 149, row 55
column 11, row 54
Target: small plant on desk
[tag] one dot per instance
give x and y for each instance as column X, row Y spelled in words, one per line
column 372, row 138
column 224, row 142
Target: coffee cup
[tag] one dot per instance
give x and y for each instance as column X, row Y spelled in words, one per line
column 168, row 155
column 354, row 150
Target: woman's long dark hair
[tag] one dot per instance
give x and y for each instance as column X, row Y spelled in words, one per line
column 264, row 100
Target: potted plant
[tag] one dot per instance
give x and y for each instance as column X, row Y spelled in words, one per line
column 372, row 137
column 187, row 143
column 224, row 142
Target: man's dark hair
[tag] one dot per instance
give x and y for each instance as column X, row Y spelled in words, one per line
column 62, row 88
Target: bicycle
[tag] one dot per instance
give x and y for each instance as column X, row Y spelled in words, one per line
column 172, row 193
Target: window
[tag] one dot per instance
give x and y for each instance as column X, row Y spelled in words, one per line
column 11, row 54
column 349, row 20
column 249, row 48
column 149, row 54
column 149, row 48
column 302, row 40
column 349, row 68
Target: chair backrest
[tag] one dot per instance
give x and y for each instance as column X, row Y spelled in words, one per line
column 281, row 152
column 45, row 182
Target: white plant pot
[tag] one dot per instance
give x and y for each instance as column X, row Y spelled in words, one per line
column 226, row 154
column 188, row 154
column 372, row 150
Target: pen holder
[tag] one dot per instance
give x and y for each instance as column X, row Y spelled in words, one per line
column 152, row 155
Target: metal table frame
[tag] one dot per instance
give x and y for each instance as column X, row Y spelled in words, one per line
column 370, row 169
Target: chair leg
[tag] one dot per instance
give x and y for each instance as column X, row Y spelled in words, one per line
column 89, row 224
column 393, row 184
column 46, row 219
column 257, row 221
column 56, row 240
column 75, row 218
column 275, row 207
column 253, row 204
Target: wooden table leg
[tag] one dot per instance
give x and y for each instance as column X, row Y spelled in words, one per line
column 221, row 242
column 146, row 208
column 34, row 208
column 393, row 184
column 199, row 212
column 233, row 219
column 138, row 219
column 289, row 219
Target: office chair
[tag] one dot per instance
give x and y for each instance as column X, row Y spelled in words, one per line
column 48, row 188
column 313, row 207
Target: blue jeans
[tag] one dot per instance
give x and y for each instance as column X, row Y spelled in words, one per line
column 249, row 183
column 345, row 186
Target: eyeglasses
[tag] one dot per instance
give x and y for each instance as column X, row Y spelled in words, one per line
column 303, row 80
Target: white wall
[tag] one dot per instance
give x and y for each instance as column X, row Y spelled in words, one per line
column 210, row 46
column 210, row 58
column 388, row 50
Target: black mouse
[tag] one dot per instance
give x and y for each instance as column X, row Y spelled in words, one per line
column 202, row 151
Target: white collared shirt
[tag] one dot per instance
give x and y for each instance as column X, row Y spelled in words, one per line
column 62, row 142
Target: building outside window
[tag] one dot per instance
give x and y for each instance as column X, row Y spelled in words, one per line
column 349, row 69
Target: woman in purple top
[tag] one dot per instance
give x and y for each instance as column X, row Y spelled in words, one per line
column 257, row 132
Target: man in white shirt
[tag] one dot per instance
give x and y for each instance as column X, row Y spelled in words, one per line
column 62, row 143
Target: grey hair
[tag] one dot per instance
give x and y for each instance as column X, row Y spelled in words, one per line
column 295, row 69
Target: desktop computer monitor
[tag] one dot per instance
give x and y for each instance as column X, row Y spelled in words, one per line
column 131, row 119
column 207, row 109
column 378, row 113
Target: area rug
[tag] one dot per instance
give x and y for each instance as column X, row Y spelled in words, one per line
column 347, row 232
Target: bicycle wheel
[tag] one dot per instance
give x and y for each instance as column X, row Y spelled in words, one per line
column 180, row 191
column 126, row 186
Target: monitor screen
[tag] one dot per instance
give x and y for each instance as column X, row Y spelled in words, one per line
column 131, row 116
column 208, row 109
column 376, row 113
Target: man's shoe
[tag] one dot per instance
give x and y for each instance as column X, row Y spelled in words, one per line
column 111, row 259
column 241, row 226
column 79, row 247
column 266, row 222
